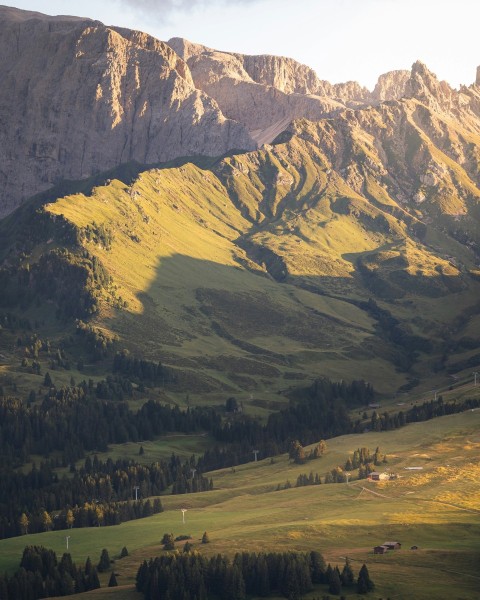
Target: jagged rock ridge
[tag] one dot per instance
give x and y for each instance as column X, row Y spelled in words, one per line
column 78, row 98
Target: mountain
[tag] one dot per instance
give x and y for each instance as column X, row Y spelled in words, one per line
column 78, row 98
column 347, row 245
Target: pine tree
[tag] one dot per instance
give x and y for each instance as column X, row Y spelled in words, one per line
column 104, row 563
column 347, row 576
column 317, row 567
column 124, row 552
column 364, row 583
column 112, row 582
column 334, row 583
column 205, row 538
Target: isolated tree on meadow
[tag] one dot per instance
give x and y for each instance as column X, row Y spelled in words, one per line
column 205, row 538
column 112, row 582
column 104, row 563
column 168, row 541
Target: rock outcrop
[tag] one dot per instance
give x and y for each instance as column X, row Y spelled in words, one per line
column 391, row 86
column 79, row 98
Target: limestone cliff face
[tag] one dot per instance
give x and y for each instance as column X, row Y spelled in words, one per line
column 391, row 86
column 264, row 109
column 79, row 98
column 265, row 92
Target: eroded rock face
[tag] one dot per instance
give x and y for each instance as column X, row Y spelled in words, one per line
column 391, row 86
column 79, row 98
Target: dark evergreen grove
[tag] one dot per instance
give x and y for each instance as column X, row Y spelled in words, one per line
column 42, row 575
column 191, row 576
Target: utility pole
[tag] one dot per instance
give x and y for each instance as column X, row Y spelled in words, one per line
column 184, row 510
column 347, row 475
column 475, row 379
column 67, row 537
column 256, row 452
column 136, row 488
column 193, row 472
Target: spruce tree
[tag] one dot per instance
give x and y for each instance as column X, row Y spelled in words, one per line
column 168, row 541
column 364, row 583
column 112, row 582
column 104, row 563
column 205, row 538
column 347, row 576
column 334, row 582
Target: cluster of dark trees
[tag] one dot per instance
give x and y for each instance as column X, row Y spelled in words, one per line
column 42, row 575
column 95, row 494
column 190, row 576
column 364, row 456
column 141, row 370
column 302, row 480
column 320, row 412
column 98, row 234
column 297, row 452
column 316, row 415
column 75, row 419
column 96, row 341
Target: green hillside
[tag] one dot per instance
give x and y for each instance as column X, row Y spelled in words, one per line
column 435, row 508
column 255, row 273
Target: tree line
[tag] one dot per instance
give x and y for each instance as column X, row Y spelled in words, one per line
column 76, row 419
column 192, row 576
column 99, row 493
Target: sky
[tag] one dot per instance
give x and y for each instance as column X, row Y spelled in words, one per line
column 341, row 40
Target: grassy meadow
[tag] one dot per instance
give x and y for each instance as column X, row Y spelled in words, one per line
column 436, row 508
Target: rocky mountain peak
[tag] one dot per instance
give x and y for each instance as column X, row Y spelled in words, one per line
column 391, row 85
column 186, row 49
column 423, row 85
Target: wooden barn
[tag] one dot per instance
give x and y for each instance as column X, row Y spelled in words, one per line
column 392, row 545
column 380, row 550
column 377, row 476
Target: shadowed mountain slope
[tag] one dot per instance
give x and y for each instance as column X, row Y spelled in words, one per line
column 348, row 248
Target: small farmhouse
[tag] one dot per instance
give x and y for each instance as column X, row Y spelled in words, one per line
column 392, row 545
column 377, row 476
column 380, row 550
